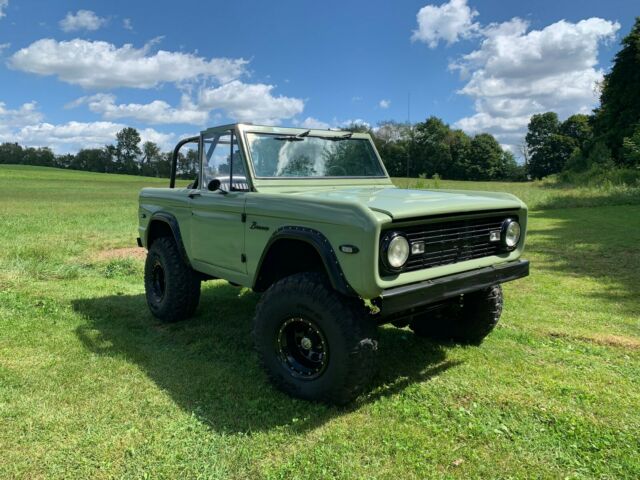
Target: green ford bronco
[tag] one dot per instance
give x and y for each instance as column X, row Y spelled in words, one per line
column 311, row 219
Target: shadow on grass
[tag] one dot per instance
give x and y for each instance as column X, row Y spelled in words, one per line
column 207, row 364
column 601, row 243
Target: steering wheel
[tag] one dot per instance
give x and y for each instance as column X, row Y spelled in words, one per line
column 341, row 171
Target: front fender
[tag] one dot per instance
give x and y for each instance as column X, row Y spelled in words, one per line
column 321, row 245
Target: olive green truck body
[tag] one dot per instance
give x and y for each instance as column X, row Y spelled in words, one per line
column 269, row 220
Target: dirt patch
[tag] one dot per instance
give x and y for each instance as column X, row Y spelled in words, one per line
column 617, row 341
column 603, row 339
column 135, row 253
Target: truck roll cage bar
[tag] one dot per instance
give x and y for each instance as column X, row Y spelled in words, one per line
column 174, row 158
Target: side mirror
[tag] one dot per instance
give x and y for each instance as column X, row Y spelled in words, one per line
column 214, row 185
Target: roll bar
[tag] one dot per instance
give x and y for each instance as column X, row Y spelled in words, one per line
column 174, row 158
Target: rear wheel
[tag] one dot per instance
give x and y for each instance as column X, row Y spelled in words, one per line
column 313, row 342
column 172, row 287
column 468, row 319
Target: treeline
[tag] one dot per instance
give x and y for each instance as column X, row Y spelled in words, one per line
column 424, row 149
column 433, row 148
column 602, row 146
column 128, row 155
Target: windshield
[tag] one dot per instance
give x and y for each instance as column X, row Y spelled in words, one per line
column 276, row 156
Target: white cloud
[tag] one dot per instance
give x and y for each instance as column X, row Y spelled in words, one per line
column 3, row 4
column 81, row 20
column 72, row 136
column 311, row 122
column 384, row 104
column 155, row 112
column 126, row 24
column 98, row 64
column 448, row 22
column 250, row 102
column 25, row 115
column 516, row 72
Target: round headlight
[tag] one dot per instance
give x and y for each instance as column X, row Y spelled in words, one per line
column 396, row 251
column 510, row 233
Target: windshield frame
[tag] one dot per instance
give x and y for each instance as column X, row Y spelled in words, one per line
column 287, row 131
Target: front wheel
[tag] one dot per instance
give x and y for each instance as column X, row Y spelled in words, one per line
column 313, row 342
column 468, row 319
column 172, row 287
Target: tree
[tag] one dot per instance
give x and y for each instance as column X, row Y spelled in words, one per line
column 112, row 152
column 485, row 158
column 631, row 149
column 578, row 128
column 619, row 110
column 11, row 153
column 430, row 148
column 561, row 147
column 460, row 151
column 91, row 159
column 510, row 169
column 163, row 165
column 599, row 154
column 38, row 156
column 394, row 156
column 127, row 150
column 150, row 155
column 541, row 127
column 188, row 165
column 549, row 150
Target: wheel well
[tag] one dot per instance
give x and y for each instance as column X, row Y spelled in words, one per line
column 157, row 229
column 287, row 257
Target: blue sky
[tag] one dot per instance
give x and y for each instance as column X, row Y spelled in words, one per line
column 73, row 73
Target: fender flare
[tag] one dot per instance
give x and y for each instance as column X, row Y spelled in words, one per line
column 172, row 222
column 321, row 245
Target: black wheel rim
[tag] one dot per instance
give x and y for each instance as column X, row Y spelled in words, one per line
column 302, row 348
column 157, row 281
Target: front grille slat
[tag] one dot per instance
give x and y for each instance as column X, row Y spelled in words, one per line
column 459, row 228
column 454, row 241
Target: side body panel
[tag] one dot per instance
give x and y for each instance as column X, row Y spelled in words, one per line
column 172, row 201
column 217, row 231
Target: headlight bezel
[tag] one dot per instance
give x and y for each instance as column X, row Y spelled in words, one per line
column 387, row 239
column 504, row 234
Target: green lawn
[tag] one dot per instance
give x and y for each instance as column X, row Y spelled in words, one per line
column 91, row 386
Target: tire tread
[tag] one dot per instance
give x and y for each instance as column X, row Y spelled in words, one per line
column 183, row 290
column 354, row 326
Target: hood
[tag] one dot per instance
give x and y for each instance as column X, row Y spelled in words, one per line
column 402, row 203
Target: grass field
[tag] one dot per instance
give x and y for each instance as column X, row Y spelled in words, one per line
column 91, row 386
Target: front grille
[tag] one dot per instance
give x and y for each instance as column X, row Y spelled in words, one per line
column 454, row 241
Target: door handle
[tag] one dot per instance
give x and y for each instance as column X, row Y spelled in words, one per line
column 194, row 194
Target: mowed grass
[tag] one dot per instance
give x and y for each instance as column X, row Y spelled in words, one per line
column 91, row 386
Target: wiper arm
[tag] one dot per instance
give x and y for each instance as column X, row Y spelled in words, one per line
column 346, row 136
column 294, row 138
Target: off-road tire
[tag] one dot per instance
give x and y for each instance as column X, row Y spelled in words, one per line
column 180, row 293
column 466, row 320
column 349, row 333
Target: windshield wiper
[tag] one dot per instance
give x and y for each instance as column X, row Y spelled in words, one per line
column 341, row 137
column 294, row 138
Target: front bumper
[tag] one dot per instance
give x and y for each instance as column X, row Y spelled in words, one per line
column 409, row 299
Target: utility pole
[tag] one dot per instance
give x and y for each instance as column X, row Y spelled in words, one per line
column 409, row 124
